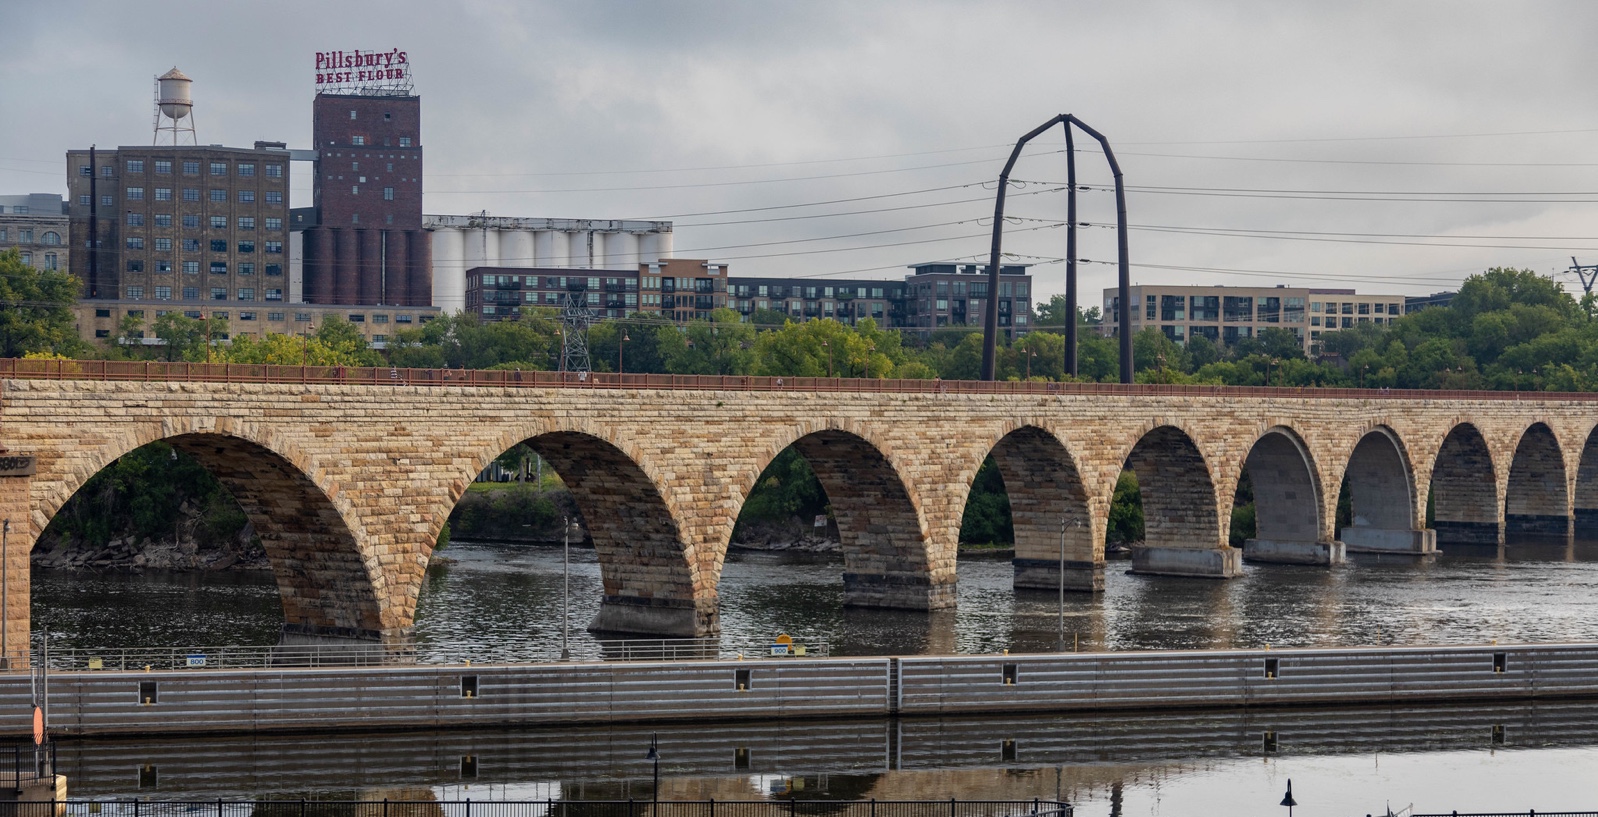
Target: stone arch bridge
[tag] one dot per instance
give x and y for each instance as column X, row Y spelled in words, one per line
column 348, row 483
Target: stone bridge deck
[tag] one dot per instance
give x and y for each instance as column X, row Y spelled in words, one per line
column 349, row 475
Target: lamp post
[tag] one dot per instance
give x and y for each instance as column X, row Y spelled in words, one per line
column 566, row 591
column 621, row 349
column 1029, row 355
column 5, row 612
column 654, row 755
column 1062, row 584
column 1287, row 799
column 828, row 347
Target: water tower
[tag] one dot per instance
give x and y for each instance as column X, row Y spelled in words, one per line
column 174, row 108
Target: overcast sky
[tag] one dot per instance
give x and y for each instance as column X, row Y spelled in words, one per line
column 708, row 113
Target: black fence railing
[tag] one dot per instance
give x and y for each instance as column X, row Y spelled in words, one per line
column 28, row 763
column 1530, row 813
column 541, row 808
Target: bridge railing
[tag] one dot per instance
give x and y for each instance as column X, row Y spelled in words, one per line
column 371, row 655
column 783, row 807
column 164, row 371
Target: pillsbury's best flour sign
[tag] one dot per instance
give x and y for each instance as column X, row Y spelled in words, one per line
column 360, row 72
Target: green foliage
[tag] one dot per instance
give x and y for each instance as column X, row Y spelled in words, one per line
column 987, row 511
column 513, row 506
column 141, row 493
column 36, row 310
column 443, row 537
column 1126, row 511
column 787, row 489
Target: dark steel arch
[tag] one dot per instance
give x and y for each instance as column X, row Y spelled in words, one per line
column 990, row 325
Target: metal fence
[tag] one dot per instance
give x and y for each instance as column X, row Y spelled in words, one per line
column 1531, row 813
column 542, row 808
column 29, row 763
column 375, row 655
column 154, row 370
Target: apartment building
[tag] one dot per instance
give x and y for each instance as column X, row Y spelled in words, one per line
column 1226, row 314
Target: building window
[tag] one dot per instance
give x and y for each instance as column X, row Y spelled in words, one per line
column 191, row 245
column 191, row 194
column 405, row 141
column 219, row 196
column 163, row 194
column 135, row 219
column 218, row 267
column 274, row 295
column 274, row 316
column 247, row 294
column 357, row 140
column 163, row 167
column 302, row 317
column 135, row 293
column 135, row 165
column 246, row 246
column 1364, row 309
column 163, row 219
column 191, row 268
column 388, row 194
column 219, row 316
column 163, row 266
column 246, row 196
column 219, row 168
column 84, row 201
column 219, row 222
column 246, row 222
column 191, row 293
column 246, row 268
column 107, row 200
column 163, row 244
column 355, row 190
column 191, row 168
column 163, row 293
column 218, row 293
column 274, row 224
column 274, row 247
column 135, row 242
column 246, row 168
column 218, row 245
column 379, row 319
column 274, row 197
column 85, row 170
column 135, row 194
column 352, row 114
column 402, row 318
column 107, row 171
column 274, row 269
column 27, row 259
column 246, row 316
column 357, row 318
column 274, row 171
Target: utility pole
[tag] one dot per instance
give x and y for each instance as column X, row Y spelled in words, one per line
column 575, row 318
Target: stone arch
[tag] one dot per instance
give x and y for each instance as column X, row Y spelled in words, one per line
column 1182, row 532
column 1585, row 496
column 650, row 570
column 1536, row 499
column 1050, row 512
column 888, row 561
column 1464, row 487
column 1382, row 497
column 1287, row 502
column 331, row 585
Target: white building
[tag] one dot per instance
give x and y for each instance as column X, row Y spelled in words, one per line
column 463, row 242
column 35, row 224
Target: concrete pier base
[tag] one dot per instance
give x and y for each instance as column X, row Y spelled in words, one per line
column 1044, row 574
column 1383, row 540
column 897, row 591
column 1586, row 520
column 631, row 615
column 1537, row 523
column 1224, row 563
column 1467, row 533
column 1273, row 551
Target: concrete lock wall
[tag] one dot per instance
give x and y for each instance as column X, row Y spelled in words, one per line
column 350, row 485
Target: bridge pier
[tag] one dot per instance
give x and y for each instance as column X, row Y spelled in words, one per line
column 1044, row 574
column 1288, row 552
column 1209, row 563
column 672, row 618
column 1365, row 539
column 1543, row 523
column 900, row 591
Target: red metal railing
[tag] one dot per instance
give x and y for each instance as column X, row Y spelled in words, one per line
column 161, row 371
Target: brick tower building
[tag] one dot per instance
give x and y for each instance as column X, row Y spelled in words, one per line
column 365, row 243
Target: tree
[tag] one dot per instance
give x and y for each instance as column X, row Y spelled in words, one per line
column 721, row 345
column 346, row 343
column 183, row 338
column 36, row 309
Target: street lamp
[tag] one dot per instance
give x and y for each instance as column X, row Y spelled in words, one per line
column 621, row 349
column 654, row 755
column 1030, row 354
column 828, row 347
column 1287, row 800
column 870, row 347
column 566, row 590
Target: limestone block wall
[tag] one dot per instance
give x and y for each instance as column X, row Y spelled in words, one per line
column 351, row 484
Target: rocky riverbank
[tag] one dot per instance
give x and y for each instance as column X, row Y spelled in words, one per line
column 133, row 554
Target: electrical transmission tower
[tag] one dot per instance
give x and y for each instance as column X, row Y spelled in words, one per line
column 575, row 318
column 1587, row 274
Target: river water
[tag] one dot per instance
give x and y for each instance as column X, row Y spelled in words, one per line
column 494, row 601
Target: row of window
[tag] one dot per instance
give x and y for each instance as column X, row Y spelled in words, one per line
column 1349, row 308
column 51, row 260
column 193, row 267
column 50, row 238
column 164, row 293
column 360, row 141
column 136, row 242
column 193, row 194
column 163, row 167
column 812, row 293
column 192, row 222
column 299, row 317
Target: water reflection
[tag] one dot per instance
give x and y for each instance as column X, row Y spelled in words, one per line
column 506, row 601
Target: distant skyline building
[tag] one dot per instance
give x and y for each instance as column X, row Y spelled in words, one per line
column 1227, row 314
column 35, row 225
